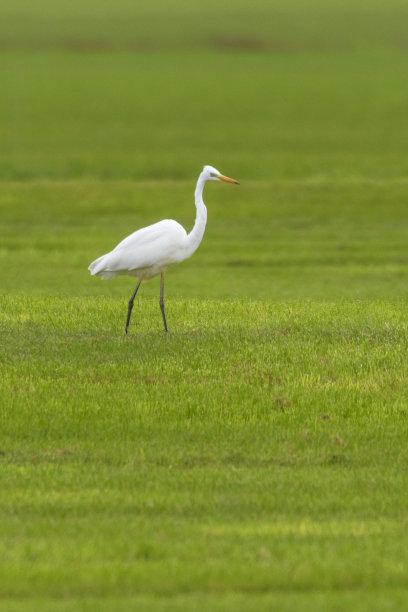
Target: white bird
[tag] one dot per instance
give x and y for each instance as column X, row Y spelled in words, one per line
column 151, row 250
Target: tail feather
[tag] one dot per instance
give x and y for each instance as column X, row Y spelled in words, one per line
column 97, row 267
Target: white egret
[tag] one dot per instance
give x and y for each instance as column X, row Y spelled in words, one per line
column 151, row 250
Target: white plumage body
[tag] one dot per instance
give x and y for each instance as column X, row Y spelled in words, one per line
column 145, row 253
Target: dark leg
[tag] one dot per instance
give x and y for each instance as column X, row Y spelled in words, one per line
column 130, row 306
column 162, row 300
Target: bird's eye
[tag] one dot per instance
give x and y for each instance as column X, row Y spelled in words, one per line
column 213, row 174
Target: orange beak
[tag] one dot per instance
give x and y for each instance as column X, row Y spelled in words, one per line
column 227, row 179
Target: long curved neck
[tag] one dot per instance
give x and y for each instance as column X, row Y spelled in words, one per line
column 196, row 235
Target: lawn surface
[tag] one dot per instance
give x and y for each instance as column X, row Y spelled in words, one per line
column 255, row 457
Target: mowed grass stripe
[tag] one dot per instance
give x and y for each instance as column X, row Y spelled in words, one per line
column 269, row 240
column 231, row 361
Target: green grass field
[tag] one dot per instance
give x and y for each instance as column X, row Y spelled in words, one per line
column 255, row 457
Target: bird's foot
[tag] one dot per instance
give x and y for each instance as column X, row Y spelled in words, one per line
column 136, row 323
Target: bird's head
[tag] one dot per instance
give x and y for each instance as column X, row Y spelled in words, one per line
column 212, row 174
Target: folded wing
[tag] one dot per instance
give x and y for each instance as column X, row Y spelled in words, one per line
column 151, row 248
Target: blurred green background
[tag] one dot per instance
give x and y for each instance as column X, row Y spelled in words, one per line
column 153, row 89
column 108, row 110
